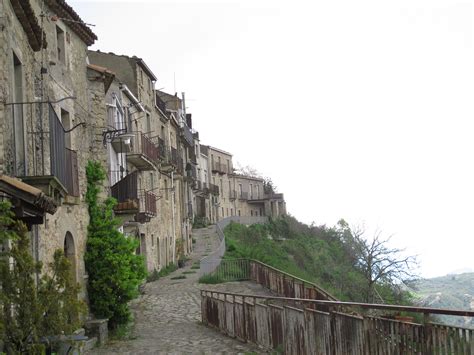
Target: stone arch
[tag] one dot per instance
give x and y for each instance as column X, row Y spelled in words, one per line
column 70, row 254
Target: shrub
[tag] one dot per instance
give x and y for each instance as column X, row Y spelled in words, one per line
column 115, row 272
column 29, row 312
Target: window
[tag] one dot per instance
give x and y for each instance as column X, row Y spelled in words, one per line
column 231, row 211
column 239, row 213
column 148, row 122
column 240, row 190
column 61, row 52
column 251, row 213
column 166, row 189
column 152, row 181
column 251, row 191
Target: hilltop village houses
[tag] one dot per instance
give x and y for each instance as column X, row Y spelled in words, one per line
column 62, row 105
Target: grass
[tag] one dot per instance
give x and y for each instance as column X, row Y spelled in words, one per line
column 210, row 279
column 122, row 332
column 179, row 277
column 155, row 275
column 189, row 272
column 195, row 267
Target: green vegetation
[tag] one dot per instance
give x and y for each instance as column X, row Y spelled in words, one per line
column 155, row 275
column 29, row 312
column 200, row 222
column 189, row 272
column 211, row 279
column 179, row 277
column 451, row 291
column 114, row 270
column 327, row 256
column 195, row 267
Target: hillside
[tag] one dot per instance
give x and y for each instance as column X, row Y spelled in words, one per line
column 451, row 291
column 320, row 254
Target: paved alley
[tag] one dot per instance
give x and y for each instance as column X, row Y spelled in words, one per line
column 168, row 314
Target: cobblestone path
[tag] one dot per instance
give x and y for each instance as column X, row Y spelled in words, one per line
column 168, row 314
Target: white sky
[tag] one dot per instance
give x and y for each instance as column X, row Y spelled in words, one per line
column 361, row 110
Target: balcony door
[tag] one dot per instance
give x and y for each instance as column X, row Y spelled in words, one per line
column 18, row 121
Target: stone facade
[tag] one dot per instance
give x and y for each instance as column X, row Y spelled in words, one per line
column 62, row 105
column 45, row 98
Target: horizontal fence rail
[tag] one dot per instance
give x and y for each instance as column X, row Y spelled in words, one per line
column 300, row 326
column 209, row 263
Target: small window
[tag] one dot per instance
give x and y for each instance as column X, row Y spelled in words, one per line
column 166, row 189
column 60, row 45
column 239, row 213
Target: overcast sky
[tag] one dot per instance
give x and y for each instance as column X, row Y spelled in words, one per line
column 361, row 110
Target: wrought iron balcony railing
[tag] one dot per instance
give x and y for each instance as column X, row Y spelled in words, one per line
column 131, row 200
column 144, row 154
column 53, row 167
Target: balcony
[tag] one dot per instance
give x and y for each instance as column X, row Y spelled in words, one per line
column 232, row 194
column 144, row 154
column 191, row 172
column 219, row 168
column 213, row 189
column 121, row 141
column 187, row 135
column 131, row 200
column 54, row 168
column 244, row 196
column 192, row 156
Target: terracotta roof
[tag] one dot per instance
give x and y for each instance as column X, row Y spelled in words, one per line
column 25, row 14
column 27, row 193
column 65, row 11
column 108, row 74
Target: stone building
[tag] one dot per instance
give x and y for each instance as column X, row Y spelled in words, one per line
column 62, row 105
column 48, row 131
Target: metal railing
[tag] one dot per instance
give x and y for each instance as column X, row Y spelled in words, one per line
column 147, row 203
column 299, row 326
column 126, row 189
column 187, row 134
column 144, row 146
column 162, row 149
column 275, row 280
column 210, row 263
column 220, row 168
column 45, row 147
column 214, row 189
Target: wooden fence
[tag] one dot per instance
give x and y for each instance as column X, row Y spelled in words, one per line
column 277, row 281
column 299, row 326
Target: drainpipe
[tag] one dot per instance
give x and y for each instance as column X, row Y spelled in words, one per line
column 173, row 217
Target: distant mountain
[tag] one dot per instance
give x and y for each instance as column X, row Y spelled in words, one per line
column 461, row 271
column 455, row 291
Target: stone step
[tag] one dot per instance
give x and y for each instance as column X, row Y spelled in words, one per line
column 90, row 344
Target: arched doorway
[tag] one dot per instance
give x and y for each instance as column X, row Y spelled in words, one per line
column 70, row 254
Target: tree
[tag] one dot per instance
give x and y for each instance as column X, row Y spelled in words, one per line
column 247, row 171
column 115, row 271
column 29, row 311
column 379, row 263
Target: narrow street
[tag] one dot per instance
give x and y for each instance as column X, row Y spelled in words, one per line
column 168, row 315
